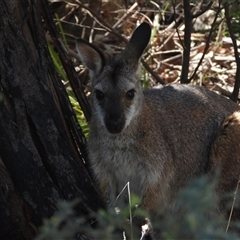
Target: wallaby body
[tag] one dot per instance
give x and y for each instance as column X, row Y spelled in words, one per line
column 164, row 147
column 156, row 139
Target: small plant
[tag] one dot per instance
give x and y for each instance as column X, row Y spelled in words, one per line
column 193, row 217
column 78, row 111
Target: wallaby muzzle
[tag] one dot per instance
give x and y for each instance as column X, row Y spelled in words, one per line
column 114, row 124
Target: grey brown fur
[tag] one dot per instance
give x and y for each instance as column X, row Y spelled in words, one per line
column 157, row 139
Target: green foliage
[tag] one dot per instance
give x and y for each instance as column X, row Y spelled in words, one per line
column 78, row 111
column 145, row 79
column 62, row 225
column 79, row 114
column 194, row 217
column 57, row 62
column 61, row 29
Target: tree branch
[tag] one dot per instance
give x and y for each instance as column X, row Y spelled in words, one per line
column 203, row 10
column 108, row 28
column 207, row 44
column 186, row 42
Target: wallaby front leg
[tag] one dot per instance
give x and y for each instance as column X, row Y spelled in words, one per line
column 151, row 199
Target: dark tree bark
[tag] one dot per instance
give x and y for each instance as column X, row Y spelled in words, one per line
column 186, row 41
column 41, row 146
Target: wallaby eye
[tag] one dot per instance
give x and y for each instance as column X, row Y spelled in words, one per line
column 130, row 94
column 99, row 95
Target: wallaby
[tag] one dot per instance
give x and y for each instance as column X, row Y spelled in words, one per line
column 156, row 139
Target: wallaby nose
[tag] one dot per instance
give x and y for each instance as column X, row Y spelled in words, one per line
column 115, row 124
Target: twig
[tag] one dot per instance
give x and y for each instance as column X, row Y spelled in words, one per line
column 203, row 11
column 71, row 12
column 154, row 74
column 127, row 13
column 171, row 58
column 207, row 44
column 110, row 29
column 166, row 40
column 234, row 200
column 221, row 90
column 100, row 21
column 174, row 24
column 175, row 21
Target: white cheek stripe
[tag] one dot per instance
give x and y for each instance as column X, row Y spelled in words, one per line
column 131, row 112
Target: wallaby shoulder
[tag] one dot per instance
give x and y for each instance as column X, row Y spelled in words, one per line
column 188, row 110
column 190, row 96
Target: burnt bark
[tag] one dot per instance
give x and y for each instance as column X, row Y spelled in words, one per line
column 42, row 159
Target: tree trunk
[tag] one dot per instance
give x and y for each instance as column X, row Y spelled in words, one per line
column 41, row 145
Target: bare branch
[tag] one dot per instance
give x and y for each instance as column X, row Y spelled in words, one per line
column 203, row 10
column 186, row 42
column 119, row 36
column 207, row 43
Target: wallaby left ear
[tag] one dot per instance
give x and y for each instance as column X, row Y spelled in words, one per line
column 138, row 42
column 90, row 56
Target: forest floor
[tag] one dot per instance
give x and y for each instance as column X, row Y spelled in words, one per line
column 212, row 62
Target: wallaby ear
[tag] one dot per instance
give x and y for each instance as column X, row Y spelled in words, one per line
column 138, row 42
column 90, row 56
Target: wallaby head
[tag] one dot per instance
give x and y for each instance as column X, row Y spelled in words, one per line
column 116, row 90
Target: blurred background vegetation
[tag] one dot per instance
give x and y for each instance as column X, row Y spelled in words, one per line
column 201, row 52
